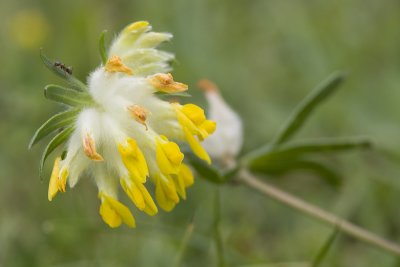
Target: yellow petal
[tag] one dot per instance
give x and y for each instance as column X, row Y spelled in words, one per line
column 133, row 193
column 151, row 208
column 53, row 183
column 184, row 121
column 209, row 126
column 138, row 25
column 183, row 179
column 205, row 129
column 169, row 157
column 198, row 150
column 139, row 196
column 165, row 83
column 165, row 202
column 186, row 175
column 192, row 117
column 109, row 215
column 114, row 212
column 62, row 180
column 134, row 160
column 173, row 153
column 194, row 113
column 114, row 64
column 169, row 188
column 141, row 161
column 179, row 185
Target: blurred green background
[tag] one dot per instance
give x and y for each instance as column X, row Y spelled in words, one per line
column 265, row 55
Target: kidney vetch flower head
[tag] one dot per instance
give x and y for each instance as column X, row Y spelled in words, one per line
column 119, row 130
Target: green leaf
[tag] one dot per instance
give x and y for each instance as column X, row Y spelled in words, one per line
column 324, row 146
column 74, row 82
column 307, row 106
column 102, row 47
column 281, row 166
column 67, row 96
column 325, row 248
column 289, row 158
column 206, row 171
column 59, row 139
column 179, row 94
column 59, row 120
column 294, row 150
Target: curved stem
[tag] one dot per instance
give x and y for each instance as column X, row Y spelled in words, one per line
column 248, row 179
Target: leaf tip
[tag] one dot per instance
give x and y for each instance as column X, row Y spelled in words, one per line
column 30, row 144
column 338, row 76
column 102, row 47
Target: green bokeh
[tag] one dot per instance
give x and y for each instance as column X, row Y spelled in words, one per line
column 265, row 55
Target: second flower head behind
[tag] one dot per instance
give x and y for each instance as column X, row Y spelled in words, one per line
column 130, row 135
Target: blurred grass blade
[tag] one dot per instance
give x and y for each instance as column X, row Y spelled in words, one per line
column 325, row 248
column 307, row 106
column 184, row 244
column 74, row 82
column 206, row 171
column 53, row 144
column 217, row 229
column 281, row 166
column 102, row 48
column 299, row 149
column 67, row 96
column 59, row 120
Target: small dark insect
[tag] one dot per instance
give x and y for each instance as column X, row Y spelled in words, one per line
column 63, row 67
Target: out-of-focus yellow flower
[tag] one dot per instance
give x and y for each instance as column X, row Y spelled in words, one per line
column 130, row 134
column 28, row 28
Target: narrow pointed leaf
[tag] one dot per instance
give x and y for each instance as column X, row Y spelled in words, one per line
column 281, row 166
column 102, row 48
column 67, row 96
column 325, row 248
column 307, row 106
column 295, row 150
column 59, row 139
column 59, row 120
column 69, row 78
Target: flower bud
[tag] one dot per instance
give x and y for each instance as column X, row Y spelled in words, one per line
column 225, row 144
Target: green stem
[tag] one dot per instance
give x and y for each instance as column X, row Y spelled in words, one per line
column 248, row 179
column 217, row 231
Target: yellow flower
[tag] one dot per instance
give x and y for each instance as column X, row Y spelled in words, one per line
column 194, row 123
column 29, row 28
column 130, row 134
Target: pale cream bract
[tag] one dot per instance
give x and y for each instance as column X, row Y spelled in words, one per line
column 225, row 144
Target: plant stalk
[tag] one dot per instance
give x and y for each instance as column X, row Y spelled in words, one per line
column 248, row 179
